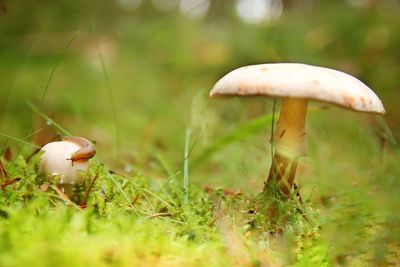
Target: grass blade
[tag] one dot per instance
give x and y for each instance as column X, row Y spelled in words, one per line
column 109, row 89
column 186, row 166
column 49, row 120
column 241, row 132
column 164, row 163
column 18, row 140
column 56, row 65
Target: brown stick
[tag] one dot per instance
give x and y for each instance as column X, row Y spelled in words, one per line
column 61, row 194
column 162, row 214
column 87, row 192
column 33, row 154
column 3, row 172
column 8, row 182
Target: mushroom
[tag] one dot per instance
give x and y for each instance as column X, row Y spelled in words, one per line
column 68, row 159
column 296, row 84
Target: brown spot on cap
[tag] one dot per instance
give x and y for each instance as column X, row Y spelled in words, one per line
column 363, row 102
column 349, row 101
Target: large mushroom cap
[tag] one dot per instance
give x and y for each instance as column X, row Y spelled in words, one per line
column 300, row 81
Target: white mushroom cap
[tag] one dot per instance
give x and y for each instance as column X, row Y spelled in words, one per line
column 56, row 161
column 300, row 81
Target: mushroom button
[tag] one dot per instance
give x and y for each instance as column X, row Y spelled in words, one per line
column 67, row 158
column 296, row 84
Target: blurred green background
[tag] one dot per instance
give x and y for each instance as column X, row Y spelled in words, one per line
column 162, row 57
column 133, row 75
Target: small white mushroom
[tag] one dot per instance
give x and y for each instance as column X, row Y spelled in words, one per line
column 296, row 85
column 68, row 159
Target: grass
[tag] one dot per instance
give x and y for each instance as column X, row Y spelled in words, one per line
column 218, row 227
column 169, row 198
column 161, row 228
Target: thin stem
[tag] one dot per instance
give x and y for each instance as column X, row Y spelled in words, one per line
column 289, row 143
column 109, row 90
column 49, row 120
column 56, row 65
column 18, row 140
column 186, row 166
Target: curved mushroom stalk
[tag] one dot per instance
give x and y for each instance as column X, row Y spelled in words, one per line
column 289, row 141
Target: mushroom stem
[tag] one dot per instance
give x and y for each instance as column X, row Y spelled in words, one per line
column 289, row 141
